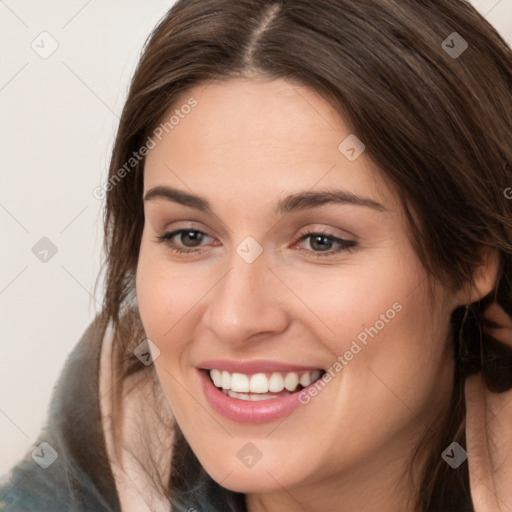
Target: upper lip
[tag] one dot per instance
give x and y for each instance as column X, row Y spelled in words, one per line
column 253, row 366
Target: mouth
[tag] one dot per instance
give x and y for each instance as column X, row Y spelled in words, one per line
column 261, row 386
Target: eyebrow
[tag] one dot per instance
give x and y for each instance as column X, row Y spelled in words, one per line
column 291, row 203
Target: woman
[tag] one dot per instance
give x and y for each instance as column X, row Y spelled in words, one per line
column 308, row 287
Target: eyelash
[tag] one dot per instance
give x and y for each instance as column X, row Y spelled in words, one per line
column 345, row 245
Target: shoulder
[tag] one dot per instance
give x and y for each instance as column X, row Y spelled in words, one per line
column 67, row 467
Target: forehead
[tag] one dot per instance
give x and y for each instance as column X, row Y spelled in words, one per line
column 273, row 135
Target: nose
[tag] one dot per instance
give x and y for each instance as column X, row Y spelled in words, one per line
column 245, row 304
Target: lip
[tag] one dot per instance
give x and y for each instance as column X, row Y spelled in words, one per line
column 244, row 411
column 254, row 366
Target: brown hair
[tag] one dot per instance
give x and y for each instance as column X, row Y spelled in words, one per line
column 438, row 126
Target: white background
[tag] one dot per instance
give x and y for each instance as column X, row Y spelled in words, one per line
column 58, row 118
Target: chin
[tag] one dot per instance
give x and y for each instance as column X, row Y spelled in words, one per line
column 247, row 482
column 261, row 478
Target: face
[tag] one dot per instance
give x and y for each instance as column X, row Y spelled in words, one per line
column 250, row 281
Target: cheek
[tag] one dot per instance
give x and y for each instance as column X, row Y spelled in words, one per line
column 165, row 295
column 378, row 319
column 165, row 300
column 338, row 304
column 400, row 365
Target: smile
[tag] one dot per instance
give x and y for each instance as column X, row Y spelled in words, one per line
column 262, row 386
column 255, row 398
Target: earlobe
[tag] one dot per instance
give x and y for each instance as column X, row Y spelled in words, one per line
column 485, row 276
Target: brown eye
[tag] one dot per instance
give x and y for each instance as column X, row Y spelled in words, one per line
column 321, row 244
column 190, row 238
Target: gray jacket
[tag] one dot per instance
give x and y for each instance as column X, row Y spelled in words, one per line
column 80, row 478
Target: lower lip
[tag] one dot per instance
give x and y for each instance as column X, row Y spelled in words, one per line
column 244, row 411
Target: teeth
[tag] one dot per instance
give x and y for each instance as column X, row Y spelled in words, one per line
column 216, row 377
column 240, row 382
column 262, row 383
column 316, row 375
column 249, row 398
column 291, row 381
column 276, row 383
column 258, row 383
column 305, row 380
column 226, row 380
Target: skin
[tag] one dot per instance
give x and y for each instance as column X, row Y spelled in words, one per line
column 245, row 146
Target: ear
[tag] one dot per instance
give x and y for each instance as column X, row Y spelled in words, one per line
column 484, row 277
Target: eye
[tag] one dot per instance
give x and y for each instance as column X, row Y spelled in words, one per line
column 322, row 243
column 190, row 238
